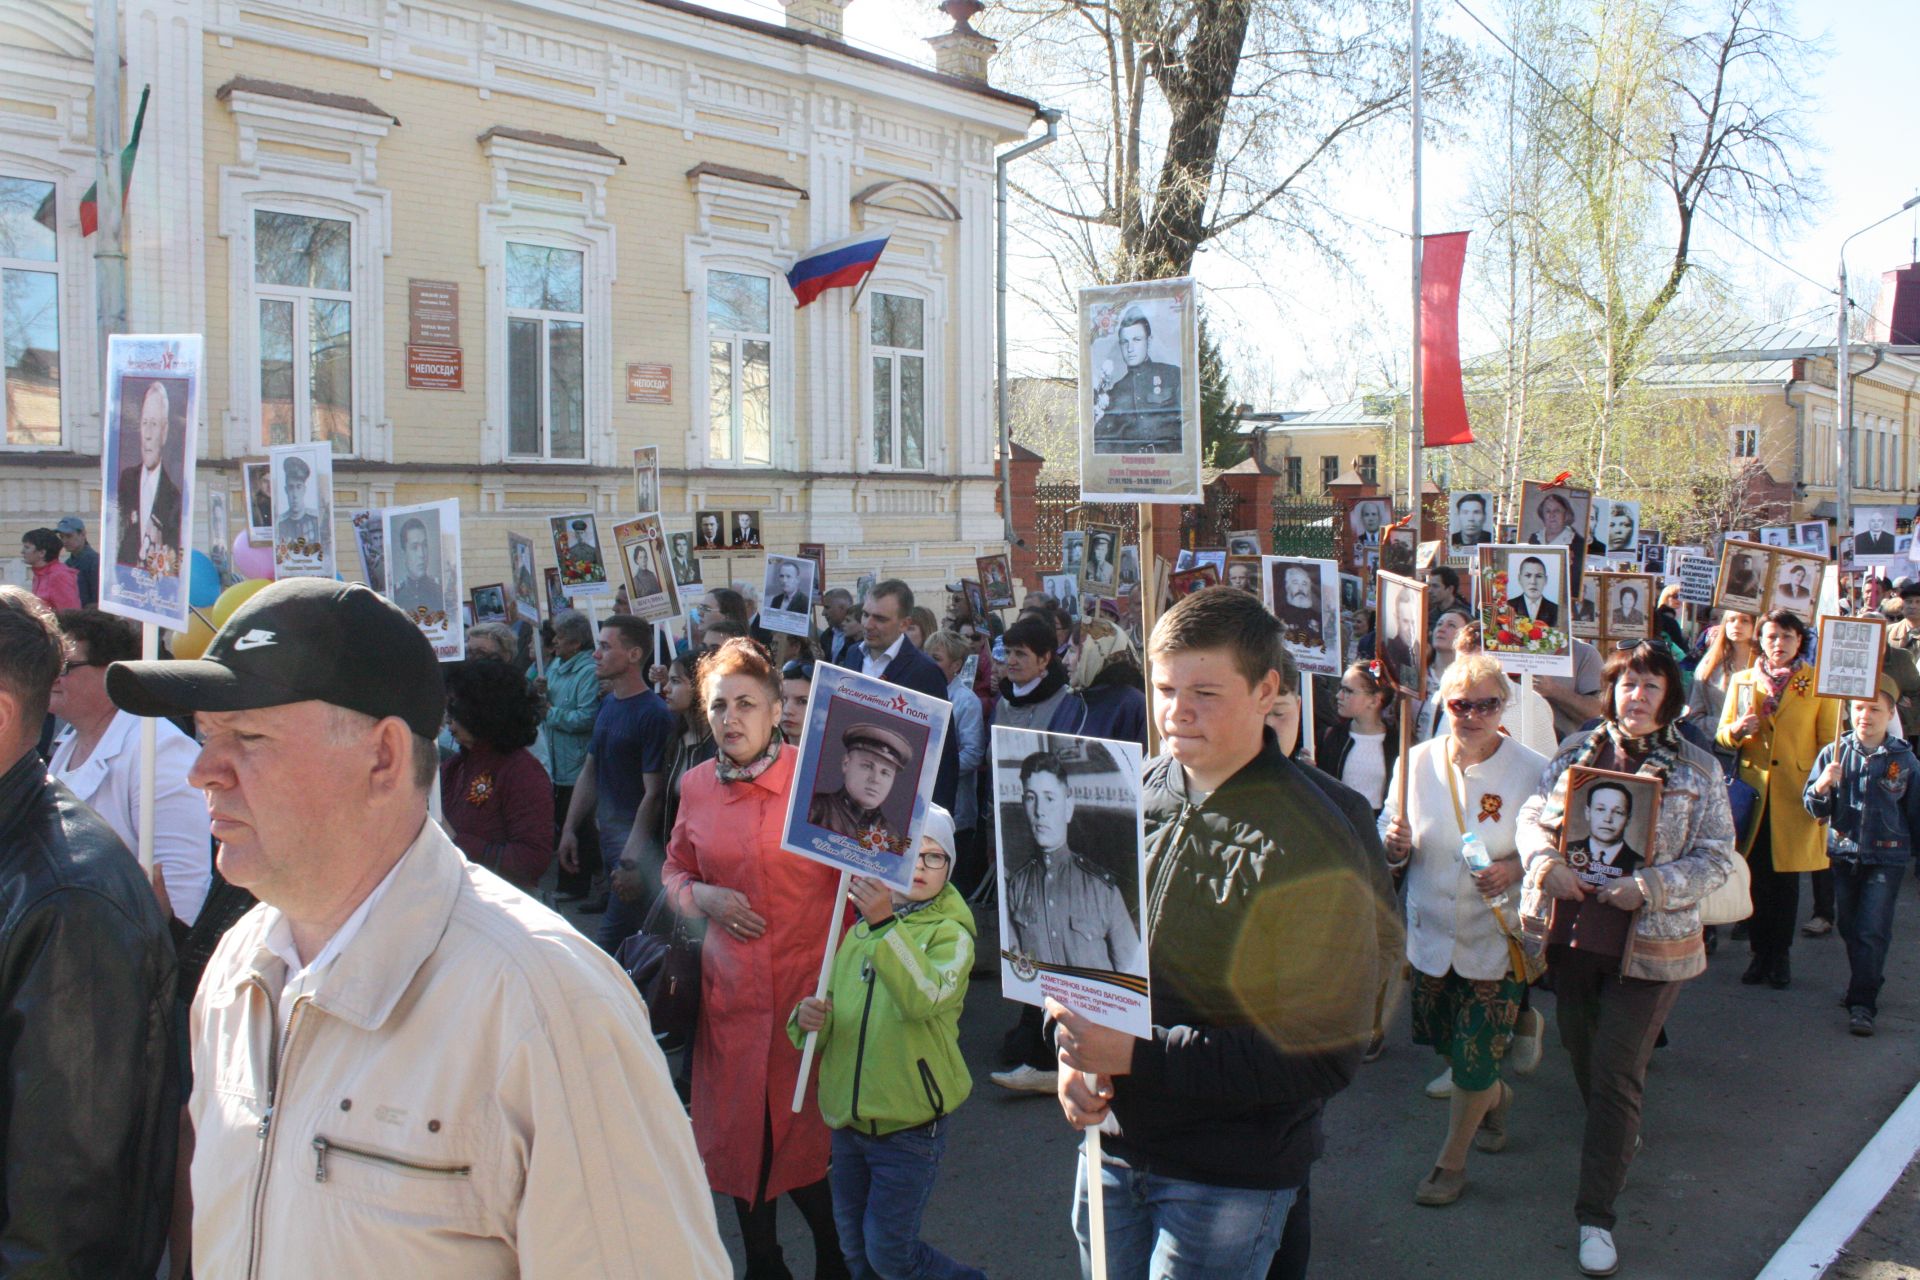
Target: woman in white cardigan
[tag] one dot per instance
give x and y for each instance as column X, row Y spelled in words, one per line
column 1465, row 999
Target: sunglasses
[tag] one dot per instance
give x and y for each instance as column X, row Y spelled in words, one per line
column 1627, row 646
column 798, row 669
column 1461, row 708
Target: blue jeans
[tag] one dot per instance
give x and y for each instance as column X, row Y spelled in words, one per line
column 622, row 920
column 1863, row 897
column 1161, row 1228
column 880, row 1190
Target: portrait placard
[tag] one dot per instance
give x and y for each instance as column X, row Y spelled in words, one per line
column 786, row 596
column 1357, row 527
column 557, row 601
column 1073, row 550
column 681, row 557
column 1605, row 836
column 1470, row 523
column 1873, row 536
column 976, row 598
column 1194, row 557
column 523, row 595
column 1184, row 582
column 152, row 418
column 646, row 479
column 1554, row 516
column 1069, row 828
column 816, row 552
column 1522, row 591
column 302, row 510
column 1065, row 590
column 1811, row 535
column 256, row 482
column 1793, row 581
column 1403, row 632
column 423, row 571
column 996, row 580
column 1627, row 607
column 1616, row 525
column 1100, row 567
column 869, row 753
column 1243, row 542
column 1430, row 554
column 489, row 602
column 1140, row 393
column 1848, row 658
column 1776, row 535
column 576, row 549
column 1129, row 568
column 651, row 593
column 1307, row 596
column 709, row 531
column 743, row 531
column 1399, row 552
column 219, row 537
column 1243, row 574
column 1742, row 582
column 369, row 546
column 1586, row 608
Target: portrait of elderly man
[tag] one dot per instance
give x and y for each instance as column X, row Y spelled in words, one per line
column 418, row 586
column 149, row 497
column 872, row 757
column 1064, row 908
column 1296, row 602
column 299, row 519
column 1872, row 532
column 1138, row 410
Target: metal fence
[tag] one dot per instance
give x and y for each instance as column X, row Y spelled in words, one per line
column 1303, row 526
column 1055, row 503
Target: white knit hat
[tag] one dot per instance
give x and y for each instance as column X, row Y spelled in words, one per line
column 940, row 829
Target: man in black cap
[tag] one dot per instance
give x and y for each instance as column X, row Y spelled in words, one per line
column 91, row 1097
column 298, row 524
column 375, row 946
column 873, row 756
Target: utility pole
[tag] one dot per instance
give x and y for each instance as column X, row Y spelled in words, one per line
column 1416, row 428
column 109, row 257
column 1843, row 391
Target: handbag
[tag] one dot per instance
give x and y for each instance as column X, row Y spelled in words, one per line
column 1732, row 902
column 663, row 960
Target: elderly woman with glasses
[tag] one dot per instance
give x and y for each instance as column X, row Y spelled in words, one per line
column 1469, row 783
column 1622, row 929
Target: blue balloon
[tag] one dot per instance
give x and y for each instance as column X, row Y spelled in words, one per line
column 203, row 582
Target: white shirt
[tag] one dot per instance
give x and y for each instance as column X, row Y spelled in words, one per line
column 877, row 667
column 1365, row 768
column 305, row 978
column 109, row 782
column 1022, row 690
column 149, row 485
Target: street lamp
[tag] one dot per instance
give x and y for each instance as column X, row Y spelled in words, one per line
column 1843, row 490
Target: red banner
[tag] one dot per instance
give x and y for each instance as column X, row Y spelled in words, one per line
column 1443, row 401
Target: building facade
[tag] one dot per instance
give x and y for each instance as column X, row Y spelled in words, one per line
column 486, row 249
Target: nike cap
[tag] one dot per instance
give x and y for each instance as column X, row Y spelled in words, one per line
column 299, row 640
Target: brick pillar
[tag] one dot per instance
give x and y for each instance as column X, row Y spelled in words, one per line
column 1255, row 491
column 1023, row 475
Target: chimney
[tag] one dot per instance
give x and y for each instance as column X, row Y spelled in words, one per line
column 817, row 17
column 1896, row 317
column 962, row 51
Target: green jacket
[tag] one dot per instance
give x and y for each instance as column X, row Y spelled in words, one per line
column 890, row 1052
column 573, row 698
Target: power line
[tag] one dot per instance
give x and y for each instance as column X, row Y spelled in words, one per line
column 1699, row 211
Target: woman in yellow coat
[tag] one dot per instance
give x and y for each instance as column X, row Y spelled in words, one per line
column 1773, row 720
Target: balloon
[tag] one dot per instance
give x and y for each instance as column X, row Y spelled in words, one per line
column 232, row 598
column 203, row 581
column 250, row 561
column 193, row 642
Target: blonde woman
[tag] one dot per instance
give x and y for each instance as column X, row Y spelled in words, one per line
column 1730, row 651
column 1472, row 780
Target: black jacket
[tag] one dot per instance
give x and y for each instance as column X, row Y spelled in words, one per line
column 1336, row 744
column 89, row 1084
column 1267, row 913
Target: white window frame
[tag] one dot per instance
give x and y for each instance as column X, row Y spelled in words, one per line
column 545, row 317
column 58, row 270
column 1748, row 434
column 301, row 175
column 302, row 298
column 930, row 331
column 734, row 338
column 555, row 197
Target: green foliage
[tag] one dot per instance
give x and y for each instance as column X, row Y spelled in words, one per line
column 1220, row 442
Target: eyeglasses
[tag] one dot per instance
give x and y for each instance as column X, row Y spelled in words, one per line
column 72, row 664
column 1461, row 708
column 935, row 859
column 798, row 669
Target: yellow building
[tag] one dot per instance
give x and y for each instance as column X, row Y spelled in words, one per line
column 487, row 249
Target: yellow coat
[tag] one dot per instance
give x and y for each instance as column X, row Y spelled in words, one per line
column 1775, row 762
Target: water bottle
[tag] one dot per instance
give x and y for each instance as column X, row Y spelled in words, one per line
column 1473, row 852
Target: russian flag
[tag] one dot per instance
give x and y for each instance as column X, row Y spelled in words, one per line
column 839, row 264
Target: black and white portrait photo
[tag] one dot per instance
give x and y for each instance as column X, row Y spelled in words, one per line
column 1065, row 590
column 1307, row 597
column 1616, row 524
column 1067, row 814
column 1629, row 606
column 646, row 478
column 1100, row 567
column 523, row 590
column 1138, row 384
column 490, row 602
column 1139, row 397
column 1073, row 550
column 1532, row 592
column 710, row 531
column 1605, row 836
column 744, row 531
column 786, row 596
column 1742, row 583
column 686, row 565
column 423, row 571
column 369, row 542
column 302, row 510
column 1243, row 574
column 1873, row 531
column 146, row 475
column 1794, row 581
column 1399, row 552
column 1553, row 517
column 1403, row 632
column 1243, row 542
column 1470, row 519
column 256, row 480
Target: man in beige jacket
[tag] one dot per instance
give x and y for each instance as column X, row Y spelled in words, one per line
column 402, row 1065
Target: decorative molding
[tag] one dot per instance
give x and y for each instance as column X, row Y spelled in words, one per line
column 909, row 195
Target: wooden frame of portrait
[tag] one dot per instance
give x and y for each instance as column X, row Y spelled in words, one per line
column 1610, row 630
column 1849, row 657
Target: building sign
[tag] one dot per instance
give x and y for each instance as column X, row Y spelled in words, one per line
column 433, row 313
column 434, row 368
column 649, row 384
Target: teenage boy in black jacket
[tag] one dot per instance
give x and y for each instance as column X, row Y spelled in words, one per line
column 1264, row 924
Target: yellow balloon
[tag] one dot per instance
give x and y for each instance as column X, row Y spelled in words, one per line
column 193, row 642
column 232, row 598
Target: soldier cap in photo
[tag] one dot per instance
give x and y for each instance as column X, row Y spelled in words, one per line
column 882, row 742
column 296, row 470
column 1134, row 314
column 299, row 640
column 579, row 526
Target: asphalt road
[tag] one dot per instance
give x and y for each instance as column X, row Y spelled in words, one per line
column 1759, row 1103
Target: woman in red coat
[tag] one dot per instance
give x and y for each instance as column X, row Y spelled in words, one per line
column 769, row 917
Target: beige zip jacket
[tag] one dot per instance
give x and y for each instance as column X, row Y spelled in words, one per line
column 473, row 1090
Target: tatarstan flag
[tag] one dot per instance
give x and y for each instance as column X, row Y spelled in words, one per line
column 90, row 202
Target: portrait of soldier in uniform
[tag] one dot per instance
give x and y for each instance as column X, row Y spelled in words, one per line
column 259, row 495
column 1136, row 403
column 418, row 586
column 686, row 568
column 580, row 557
column 1065, row 909
column 298, row 520
column 709, row 534
column 874, row 756
column 746, row 529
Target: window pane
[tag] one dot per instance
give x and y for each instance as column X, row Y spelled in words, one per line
column 739, row 303
column 276, row 371
column 913, row 412
column 306, row 253
column 897, row 322
column 566, row 390
column 756, row 402
column 543, row 279
column 26, row 219
column 720, row 401
column 883, row 411
column 330, row 381
column 30, row 325
column 523, row 386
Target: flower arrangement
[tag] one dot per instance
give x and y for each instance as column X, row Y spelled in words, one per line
column 1504, row 631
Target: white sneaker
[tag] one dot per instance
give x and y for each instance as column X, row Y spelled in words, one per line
column 1598, row 1257
column 1529, row 1038
column 1441, row 1086
column 1025, row 1079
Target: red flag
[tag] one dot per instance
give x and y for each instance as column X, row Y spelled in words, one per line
column 1443, row 402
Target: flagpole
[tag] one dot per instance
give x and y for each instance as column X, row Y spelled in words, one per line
column 110, row 260
column 1415, row 427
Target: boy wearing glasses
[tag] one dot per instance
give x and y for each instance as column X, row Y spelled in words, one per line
column 890, row 1066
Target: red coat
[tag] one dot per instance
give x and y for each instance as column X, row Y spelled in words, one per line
column 744, row 1066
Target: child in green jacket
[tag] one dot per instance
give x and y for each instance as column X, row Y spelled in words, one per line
column 890, row 1065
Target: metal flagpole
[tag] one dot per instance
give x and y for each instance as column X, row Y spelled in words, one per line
column 1415, row 427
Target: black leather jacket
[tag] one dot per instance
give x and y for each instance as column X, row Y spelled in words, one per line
column 89, row 1081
